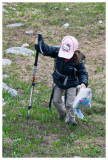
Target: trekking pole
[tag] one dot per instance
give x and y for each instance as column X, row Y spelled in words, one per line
column 35, row 65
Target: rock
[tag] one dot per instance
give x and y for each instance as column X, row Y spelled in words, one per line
column 4, row 4
column 14, row 9
column 100, row 21
column 56, row 8
column 5, row 76
column 13, row 92
column 4, row 11
column 26, row 45
column 67, row 9
column 3, row 102
column 30, row 32
column 15, row 25
column 6, row 62
column 20, row 50
column 19, row 114
column 3, row 115
column 65, row 25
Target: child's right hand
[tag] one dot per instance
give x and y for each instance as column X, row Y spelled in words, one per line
column 36, row 41
column 36, row 44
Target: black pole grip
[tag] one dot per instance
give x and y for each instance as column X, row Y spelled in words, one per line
column 37, row 52
column 39, row 37
column 40, row 40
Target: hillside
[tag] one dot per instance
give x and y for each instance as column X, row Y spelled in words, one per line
column 46, row 135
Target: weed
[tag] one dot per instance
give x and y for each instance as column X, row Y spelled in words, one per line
column 28, row 67
column 36, row 26
column 15, row 155
column 93, row 151
column 71, row 138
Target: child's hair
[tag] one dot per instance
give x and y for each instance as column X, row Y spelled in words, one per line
column 78, row 56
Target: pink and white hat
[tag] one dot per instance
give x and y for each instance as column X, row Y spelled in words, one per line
column 68, row 46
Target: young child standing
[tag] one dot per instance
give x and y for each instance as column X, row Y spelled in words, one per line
column 64, row 77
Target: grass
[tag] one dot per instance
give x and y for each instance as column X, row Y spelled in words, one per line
column 45, row 135
column 41, row 123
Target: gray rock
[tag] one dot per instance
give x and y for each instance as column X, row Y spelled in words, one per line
column 14, row 9
column 100, row 21
column 4, row 11
column 65, row 25
column 6, row 62
column 13, row 92
column 15, row 25
column 5, row 76
column 20, row 50
column 3, row 102
column 26, row 45
column 3, row 115
column 67, row 9
column 30, row 32
column 56, row 8
column 4, row 4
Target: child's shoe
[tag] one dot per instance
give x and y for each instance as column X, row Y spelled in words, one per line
column 72, row 122
column 62, row 117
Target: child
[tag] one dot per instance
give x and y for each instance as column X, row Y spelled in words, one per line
column 68, row 59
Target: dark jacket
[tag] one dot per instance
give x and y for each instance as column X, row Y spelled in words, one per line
column 64, row 74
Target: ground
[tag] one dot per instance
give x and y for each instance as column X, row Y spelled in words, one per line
column 45, row 135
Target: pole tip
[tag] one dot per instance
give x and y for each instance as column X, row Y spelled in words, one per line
column 28, row 116
column 50, row 109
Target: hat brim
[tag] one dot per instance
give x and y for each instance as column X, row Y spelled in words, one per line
column 67, row 55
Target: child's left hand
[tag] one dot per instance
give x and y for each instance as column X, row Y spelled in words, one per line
column 83, row 85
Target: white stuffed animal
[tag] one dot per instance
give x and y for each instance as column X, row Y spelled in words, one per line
column 83, row 98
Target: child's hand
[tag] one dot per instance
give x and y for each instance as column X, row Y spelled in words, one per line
column 36, row 42
column 83, row 85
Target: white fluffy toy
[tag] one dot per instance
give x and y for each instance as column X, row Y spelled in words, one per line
column 82, row 99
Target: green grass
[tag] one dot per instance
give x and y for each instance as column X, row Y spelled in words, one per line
column 45, row 135
column 41, row 123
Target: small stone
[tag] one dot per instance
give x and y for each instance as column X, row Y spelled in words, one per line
column 15, row 25
column 6, row 62
column 26, row 45
column 20, row 50
column 4, row 4
column 67, row 9
column 5, row 76
column 56, row 8
column 3, row 102
column 100, row 21
column 19, row 114
column 29, row 32
column 13, row 92
column 14, row 9
column 65, row 25
column 3, row 115
column 4, row 11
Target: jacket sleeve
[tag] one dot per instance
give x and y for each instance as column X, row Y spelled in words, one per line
column 82, row 73
column 51, row 51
